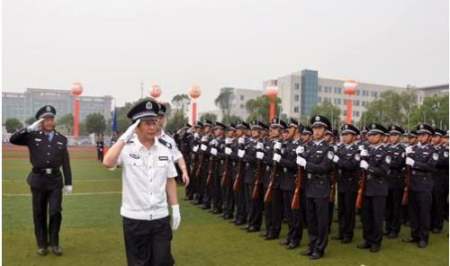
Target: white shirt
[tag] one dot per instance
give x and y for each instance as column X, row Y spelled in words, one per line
column 175, row 151
column 144, row 177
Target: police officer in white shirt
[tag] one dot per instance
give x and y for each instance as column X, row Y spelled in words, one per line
column 177, row 155
column 148, row 178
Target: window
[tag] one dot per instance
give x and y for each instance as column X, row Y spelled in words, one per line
column 297, row 86
column 374, row 94
column 242, row 106
column 365, row 93
column 320, row 89
column 242, row 97
column 358, row 92
column 297, row 97
column 356, row 113
column 356, row 102
column 337, row 101
column 296, row 109
column 337, row 90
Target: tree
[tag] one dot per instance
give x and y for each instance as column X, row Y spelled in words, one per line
column 208, row 116
column 177, row 121
column 181, row 101
column 66, row 123
column 330, row 111
column 30, row 120
column 223, row 101
column 433, row 111
column 391, row 108
column 258, row 108
column 12, row 125
column 230, row 119
column 95, row 123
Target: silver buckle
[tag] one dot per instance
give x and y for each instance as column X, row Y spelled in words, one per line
column 48, row 171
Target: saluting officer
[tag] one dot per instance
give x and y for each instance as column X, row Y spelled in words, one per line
column 422, row 158
column 149, row 186
column 347, row 159
column 48, row 153
column 376, row 163
column 396, row 177
column 317, row 161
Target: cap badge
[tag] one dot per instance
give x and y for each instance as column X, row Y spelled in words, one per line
column 148, row 106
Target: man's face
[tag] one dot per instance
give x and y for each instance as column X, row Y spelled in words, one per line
column 445, row 140
column 412, row 140
column 306, row 137
column 436, row 140
column 239, row 133
column 385, row 138
column 148, row 128
column 274, row 132
column 423, row 138
column 48, row 124
column 318, row 132
column 207, row 129
column 219, row 132
column 348, row 138
column 256, row 133
column 374, row 138
column 285, row 135
column 394, row 138
column 292, row 131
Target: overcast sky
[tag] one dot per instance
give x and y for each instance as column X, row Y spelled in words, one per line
column 111, row 46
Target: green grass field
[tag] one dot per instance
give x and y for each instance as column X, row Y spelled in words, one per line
column 92, row 231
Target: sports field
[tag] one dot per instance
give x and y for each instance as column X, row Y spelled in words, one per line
column 92, row 232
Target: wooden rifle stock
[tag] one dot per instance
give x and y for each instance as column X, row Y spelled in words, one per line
column 224, row 180
column 333, row 186
column 210, row 165
column 362, row 186
column 269, row 192
column 257, row 185
column 295, row 204
column 407, row 185
column 238, row 180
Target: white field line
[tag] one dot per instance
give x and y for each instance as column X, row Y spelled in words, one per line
column 65, row 195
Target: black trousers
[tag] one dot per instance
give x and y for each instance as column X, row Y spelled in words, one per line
column 273, row 213
column 293, row 218
column 372, row 219
column 256, row 208
column 239, row 199
column 44, row 200
column 419, row 203
column 217, row 192
column 437, row 207
column 346, row 213
column 100, row 154
column 394, row 210
column 228, row 197
column 317, row 215
column 147, row 243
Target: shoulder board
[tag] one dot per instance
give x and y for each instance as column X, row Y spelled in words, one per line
column 130, row 141
column 165, row 143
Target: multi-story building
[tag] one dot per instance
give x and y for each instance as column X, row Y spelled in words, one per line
column 238, row 100
column 25, row 105
column 436, row 90
column 301, row 91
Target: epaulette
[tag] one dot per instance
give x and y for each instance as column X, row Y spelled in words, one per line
column 165, row 143
column 130, row 141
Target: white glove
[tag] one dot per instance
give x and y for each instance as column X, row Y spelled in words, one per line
column 277, row 145
column 364, row 153
column 364, row 165
column 203, row 147
column 241, row 153
column 228, row 141
column 196, row 135
column 259, row 146
column 335, row 158
column 204, row 138
column 195, row 148
column 241, row 140
column 301, row 161
column 409, row 161
column 214, row 151
column 227, row 151
column 276, row 157
column 128, row 134
column 260, row 155
column 176, row 217
column 361, row 147
column 35, row 126
column 67, row 189
column 409, row 150
column 300, row 150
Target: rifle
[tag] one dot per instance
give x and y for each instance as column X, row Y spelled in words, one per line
column 257, row 185
column 210, row 166
column 407, row 185
column 362, row 187
column 200, row 162
column 224, row 180
column 238, row 181
column 333, row 186
column 295, row 204
column 273, row 174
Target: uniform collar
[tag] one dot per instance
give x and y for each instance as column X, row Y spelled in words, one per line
column 318, row 142
column 140, row 147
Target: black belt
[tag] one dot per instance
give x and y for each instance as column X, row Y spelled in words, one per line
column 48, row 171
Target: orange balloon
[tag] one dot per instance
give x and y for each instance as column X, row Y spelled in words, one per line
column 77, row 89
column 155, row 91
column 194, row 91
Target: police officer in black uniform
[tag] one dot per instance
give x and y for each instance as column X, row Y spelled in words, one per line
column 317, row 161
column 100, row 144
column 438, row 202
column 374, row 162
column 422, row 158
column 48, row 154
column 347, row 160
column 396, row 176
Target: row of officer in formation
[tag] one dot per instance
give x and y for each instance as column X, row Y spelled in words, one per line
column 284, row 171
